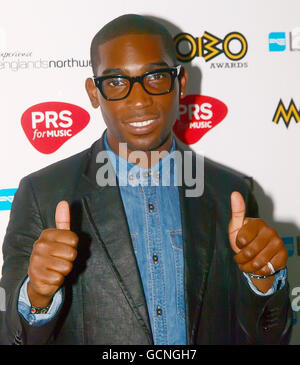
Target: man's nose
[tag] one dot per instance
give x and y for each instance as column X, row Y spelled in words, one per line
column 138, row 97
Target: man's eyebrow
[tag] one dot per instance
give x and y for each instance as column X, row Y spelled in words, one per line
column 111, row 71
column 156, row 64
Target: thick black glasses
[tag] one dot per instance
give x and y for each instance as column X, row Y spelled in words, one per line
column 156, row 82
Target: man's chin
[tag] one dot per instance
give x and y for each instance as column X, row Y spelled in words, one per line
column 145, row 146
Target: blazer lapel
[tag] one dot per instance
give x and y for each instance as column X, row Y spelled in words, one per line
column 104, row 209
column 198, row 227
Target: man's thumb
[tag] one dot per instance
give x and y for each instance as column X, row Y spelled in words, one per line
column 238, row 209
column 62, row 215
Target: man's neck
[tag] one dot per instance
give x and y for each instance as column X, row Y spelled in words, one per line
column 152, row 157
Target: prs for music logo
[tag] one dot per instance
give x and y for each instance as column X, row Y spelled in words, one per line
column 198, row 115
column 49, row 125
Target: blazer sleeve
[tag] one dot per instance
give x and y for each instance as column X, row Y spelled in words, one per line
column 24, row 228
column 263, row 319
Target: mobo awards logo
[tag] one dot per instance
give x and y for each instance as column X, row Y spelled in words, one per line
column 286, row 114
column 234, row 46
column 49, row 125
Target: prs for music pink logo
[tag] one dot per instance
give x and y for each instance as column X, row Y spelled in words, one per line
column 49, row 125
column 198, row 115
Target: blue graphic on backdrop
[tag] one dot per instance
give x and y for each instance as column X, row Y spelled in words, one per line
column 294, row 318
column 6, row 198
column 289, row 244
column 277, row 42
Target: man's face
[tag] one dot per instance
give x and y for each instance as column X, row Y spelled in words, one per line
column 133, row 55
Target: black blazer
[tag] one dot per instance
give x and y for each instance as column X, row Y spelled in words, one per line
column 104, row 302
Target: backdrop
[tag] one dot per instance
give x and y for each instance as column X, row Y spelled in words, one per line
column 242, row 108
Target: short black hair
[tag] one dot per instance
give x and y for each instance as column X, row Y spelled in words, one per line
column 131, row 24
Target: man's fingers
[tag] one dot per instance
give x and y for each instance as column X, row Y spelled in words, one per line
column 55, row 235
column 238, row 209
column 261, row 259
column 62, row 215
column 278, row 261
column 61, row 245
column 253, row 248
column 60, row 265
column 253, row 229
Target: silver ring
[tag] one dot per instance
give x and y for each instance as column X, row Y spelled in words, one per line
column 271, row 267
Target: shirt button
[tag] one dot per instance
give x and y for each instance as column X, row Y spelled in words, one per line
column 31, row 319
column 151, row 207
column 155, row 258
column 159, row 311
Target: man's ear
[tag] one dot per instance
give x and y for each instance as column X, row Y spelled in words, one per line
column 183, row 79
column 92, row 91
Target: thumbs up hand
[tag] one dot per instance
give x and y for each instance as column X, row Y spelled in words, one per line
column 62, row 215
column 238, row 210
column 51, row 258
column 255, row 244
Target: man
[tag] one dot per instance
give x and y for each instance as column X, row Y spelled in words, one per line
column 138, row 262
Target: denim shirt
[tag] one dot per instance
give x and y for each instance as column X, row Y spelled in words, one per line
column 152, row 208
column 153, row 216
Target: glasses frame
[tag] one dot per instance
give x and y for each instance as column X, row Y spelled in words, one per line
column 174, row 71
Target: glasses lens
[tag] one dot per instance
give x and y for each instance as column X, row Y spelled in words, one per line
column 115, row 87
column 158, row 82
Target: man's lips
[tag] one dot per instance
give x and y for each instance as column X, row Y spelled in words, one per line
column 142, row 125
column 136, row 119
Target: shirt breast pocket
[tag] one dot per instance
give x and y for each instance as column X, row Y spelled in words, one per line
column 177, row 248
